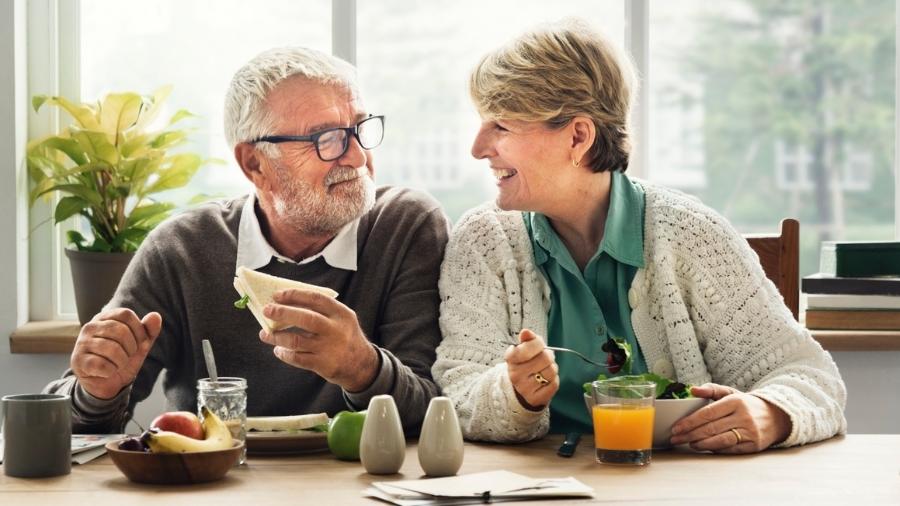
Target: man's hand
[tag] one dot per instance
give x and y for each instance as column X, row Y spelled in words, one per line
column 532, row 370
column 325, row 338
column 111, row 348
column 735, row 422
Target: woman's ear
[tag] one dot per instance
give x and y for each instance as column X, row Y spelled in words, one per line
column 250, row 160
column 583, row 135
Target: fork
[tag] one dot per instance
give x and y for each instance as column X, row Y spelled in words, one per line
column 579, row 355
column 568, row 350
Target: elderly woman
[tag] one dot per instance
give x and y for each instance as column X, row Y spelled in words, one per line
column 574, row 252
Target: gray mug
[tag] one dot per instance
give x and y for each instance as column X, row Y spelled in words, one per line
column 37, row 435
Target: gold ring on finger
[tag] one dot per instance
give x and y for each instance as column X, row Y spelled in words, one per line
column 737, row 435
column 540, row 379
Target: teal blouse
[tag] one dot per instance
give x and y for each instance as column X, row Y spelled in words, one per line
column 587, row 307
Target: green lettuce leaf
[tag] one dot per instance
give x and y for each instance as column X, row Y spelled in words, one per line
column 242, row 302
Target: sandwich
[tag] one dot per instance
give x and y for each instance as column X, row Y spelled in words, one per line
column 256, row 290
column 314, row 422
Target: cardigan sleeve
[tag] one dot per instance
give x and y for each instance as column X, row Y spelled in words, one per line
column 754, row 344
column 481, row 313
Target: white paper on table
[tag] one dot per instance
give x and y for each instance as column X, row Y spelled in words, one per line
column 85, row 442
column 493, row 484
column 85, row 456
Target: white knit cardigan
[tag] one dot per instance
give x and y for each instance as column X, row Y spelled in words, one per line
column 702, row 310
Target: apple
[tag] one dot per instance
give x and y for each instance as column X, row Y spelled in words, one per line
column 182, row 422
column 344, row 434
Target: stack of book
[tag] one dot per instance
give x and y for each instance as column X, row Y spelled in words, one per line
column 858, row 288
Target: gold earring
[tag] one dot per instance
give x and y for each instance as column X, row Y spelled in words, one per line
column 575, row 163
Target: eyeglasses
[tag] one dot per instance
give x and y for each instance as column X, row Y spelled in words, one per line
column 332, row 143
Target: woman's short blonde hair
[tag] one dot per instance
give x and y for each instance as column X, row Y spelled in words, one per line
column 556, row 72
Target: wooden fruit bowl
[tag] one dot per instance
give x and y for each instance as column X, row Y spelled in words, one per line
column 174, row 468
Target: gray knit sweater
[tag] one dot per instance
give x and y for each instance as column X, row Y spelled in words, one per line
column 185, row 269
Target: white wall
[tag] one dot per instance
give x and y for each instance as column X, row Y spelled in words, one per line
column 873, row 378
column 873, row 390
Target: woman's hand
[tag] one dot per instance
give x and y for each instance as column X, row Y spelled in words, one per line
column 532, row 370
column 735, row 422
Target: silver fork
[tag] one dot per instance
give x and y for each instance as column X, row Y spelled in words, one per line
column 579, row 355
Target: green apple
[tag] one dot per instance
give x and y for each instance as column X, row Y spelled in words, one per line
column 344, row 433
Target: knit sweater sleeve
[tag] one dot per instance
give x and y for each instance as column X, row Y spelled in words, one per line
column 482, row 298
column 748, row 337
column 783, row 364
column 141, row 291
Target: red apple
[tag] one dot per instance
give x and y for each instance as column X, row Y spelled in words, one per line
column 182, row 422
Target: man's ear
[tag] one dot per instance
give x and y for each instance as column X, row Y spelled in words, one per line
column 250, row 160
column 583, row 135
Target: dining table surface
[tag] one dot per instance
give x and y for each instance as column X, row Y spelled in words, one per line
column 847, row 470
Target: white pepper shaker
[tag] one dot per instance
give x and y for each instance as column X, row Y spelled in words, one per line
column 441, row 440
column 382, row 446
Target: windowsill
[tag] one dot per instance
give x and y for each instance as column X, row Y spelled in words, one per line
column 44, row 337
column 59, row 337
column 858, row 340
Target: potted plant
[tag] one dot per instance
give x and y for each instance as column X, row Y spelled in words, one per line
column 107, row 165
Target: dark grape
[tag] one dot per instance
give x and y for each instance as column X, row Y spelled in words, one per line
column 133, row 444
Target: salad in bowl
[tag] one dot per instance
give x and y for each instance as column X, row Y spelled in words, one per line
column 673, row 400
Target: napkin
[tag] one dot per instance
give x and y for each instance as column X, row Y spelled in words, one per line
column 491, row 486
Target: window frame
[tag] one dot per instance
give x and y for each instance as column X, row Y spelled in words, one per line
column 53, row 54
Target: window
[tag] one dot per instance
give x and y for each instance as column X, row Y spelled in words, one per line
column 197, row 47
column 769, row 109
column 762, row 109
column 172, row 44
column 414, row 61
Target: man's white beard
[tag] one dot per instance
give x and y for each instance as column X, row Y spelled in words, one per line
column 324, row 210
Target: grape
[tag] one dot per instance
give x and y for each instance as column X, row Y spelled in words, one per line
column 133, row 444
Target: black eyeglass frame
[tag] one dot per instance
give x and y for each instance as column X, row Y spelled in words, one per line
column 314, row 137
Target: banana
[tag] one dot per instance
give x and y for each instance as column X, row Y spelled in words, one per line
column 218, row 437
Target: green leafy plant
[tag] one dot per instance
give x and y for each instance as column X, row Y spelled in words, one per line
column 108, row 164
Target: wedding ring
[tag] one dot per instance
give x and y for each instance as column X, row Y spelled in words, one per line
column 540, row 378
column 737, row 435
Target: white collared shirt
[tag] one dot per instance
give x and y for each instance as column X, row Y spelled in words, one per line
column 254, row 250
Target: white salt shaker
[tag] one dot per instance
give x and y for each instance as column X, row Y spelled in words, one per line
column 441, row 440
column 382, row 446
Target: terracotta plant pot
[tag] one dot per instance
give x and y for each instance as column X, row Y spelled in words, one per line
column 96, row 277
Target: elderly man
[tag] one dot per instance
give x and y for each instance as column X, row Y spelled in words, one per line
column 302, row 136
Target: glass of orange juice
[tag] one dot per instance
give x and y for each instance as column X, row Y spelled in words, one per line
column 623, row 420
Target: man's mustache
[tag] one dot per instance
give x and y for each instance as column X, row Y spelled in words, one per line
column 341, row 174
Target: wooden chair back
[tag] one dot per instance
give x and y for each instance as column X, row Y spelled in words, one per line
column 780, row 259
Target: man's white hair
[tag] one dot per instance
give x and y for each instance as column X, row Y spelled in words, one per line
column 246, row 115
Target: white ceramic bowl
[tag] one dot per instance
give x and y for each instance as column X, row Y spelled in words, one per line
column 667, row 412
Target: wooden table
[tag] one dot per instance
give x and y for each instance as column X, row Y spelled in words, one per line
column 856, row 469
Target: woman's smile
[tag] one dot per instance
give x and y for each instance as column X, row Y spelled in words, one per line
column 503, row 174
